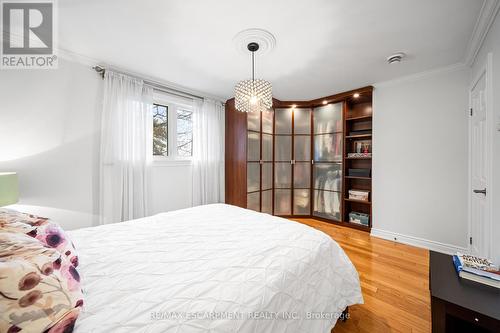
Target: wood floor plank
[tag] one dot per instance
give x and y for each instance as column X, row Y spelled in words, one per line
column 394, row 280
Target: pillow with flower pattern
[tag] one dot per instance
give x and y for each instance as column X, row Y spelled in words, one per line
column 41, row 228
column 39, row 288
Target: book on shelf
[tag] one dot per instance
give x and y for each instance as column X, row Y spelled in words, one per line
column 477, row 269
column 359, row 155
column 361, row 195
column 359, row 218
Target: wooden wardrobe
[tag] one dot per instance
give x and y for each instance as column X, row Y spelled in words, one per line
column 295, row 160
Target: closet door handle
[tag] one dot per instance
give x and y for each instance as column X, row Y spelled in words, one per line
column 480, row 191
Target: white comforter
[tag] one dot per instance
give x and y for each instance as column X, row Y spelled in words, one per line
column 214, row 268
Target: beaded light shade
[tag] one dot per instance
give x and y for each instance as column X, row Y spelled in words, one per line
column 253, row 95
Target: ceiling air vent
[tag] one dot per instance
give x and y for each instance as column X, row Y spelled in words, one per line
column 396, row 58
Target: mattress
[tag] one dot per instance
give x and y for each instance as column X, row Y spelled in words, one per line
column 213, row 268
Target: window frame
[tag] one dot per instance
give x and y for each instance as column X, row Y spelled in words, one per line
column 172, row 108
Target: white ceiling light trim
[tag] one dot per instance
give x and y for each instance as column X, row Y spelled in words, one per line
column 264, row 38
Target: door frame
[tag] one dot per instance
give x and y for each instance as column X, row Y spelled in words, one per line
column 487, row 71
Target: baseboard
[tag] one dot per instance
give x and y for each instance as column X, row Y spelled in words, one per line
column 418, row 242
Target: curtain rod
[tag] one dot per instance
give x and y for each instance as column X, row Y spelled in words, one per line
column 154, row 84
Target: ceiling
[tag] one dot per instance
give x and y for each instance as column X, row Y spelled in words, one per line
column 322, row 46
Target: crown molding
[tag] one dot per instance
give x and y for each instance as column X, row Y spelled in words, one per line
column 76, row 58
column 59, row 52
column 421, row 75
column 485, row 20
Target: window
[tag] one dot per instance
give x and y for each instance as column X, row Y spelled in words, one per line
column 172, row 130
column 184, row 133
column 160, row 130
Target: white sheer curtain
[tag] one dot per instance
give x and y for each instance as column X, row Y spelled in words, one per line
column 208, row 152
column 126, row 148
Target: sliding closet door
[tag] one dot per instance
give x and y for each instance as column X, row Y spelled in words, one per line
column 327, row 168
column 301, row 161
column 283, row 162
column 253, row 160
column 267, row 162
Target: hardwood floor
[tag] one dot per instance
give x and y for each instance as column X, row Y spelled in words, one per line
column 394, row 280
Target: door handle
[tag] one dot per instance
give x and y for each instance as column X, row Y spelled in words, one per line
column 480, row 191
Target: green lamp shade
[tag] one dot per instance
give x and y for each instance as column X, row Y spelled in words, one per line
column 9, row 189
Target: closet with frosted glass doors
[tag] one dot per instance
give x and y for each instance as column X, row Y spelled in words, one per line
column 295, row 160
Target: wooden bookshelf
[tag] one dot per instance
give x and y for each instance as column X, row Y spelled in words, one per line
column 358, row 130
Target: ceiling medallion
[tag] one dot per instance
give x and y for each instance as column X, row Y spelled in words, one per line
column 264, row 38
column 255, row 94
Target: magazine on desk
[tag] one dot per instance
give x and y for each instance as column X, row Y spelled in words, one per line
column 477, row 269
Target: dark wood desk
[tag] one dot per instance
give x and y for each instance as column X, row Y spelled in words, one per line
column 460, row 305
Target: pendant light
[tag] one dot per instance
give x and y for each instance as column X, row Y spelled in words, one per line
column 253, row 95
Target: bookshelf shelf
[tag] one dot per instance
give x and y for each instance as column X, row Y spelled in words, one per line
column 360, row 136
column 366, row 117
column 358, row 201
column 358, row 225
column 356, row 177
column 358, row 158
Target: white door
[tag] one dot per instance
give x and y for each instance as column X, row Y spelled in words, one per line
column 479, row 240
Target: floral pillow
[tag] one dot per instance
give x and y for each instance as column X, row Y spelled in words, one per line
column 39, row 289
column 41, row 228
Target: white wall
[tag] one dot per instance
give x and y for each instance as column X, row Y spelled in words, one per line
column 492, row 45
column 420, row 159
column 49, row 134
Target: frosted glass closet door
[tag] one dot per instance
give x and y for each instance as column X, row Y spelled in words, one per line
column 283, row 162
column 302, row 161
column 327, row 155
column 253, row 160
column 267, row 162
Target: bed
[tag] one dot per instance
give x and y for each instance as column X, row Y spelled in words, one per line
column 213, row 268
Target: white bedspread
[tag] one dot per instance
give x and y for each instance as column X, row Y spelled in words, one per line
column 214, row 268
